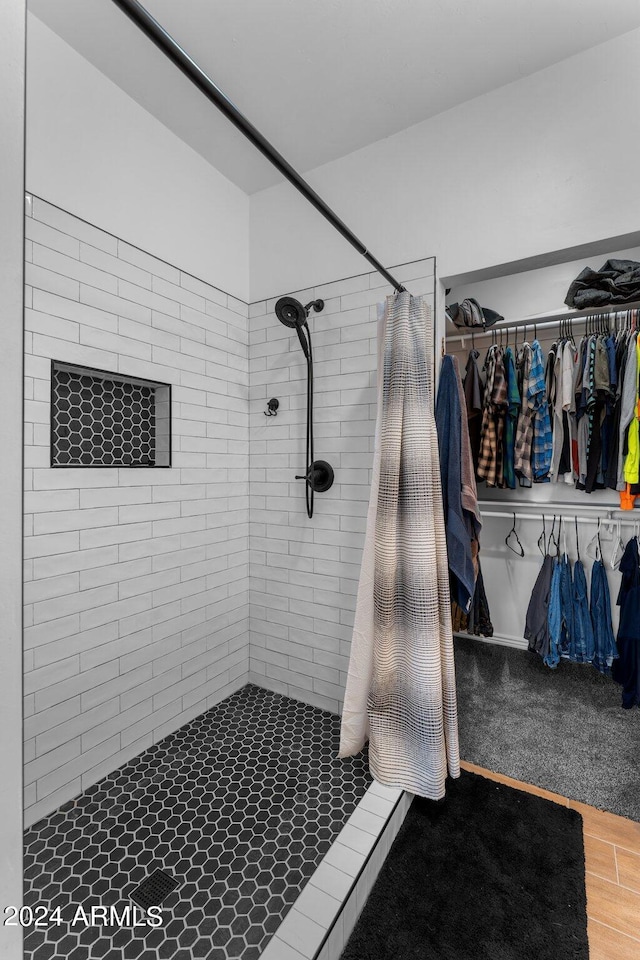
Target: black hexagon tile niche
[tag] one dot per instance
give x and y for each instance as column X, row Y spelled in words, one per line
column 102, row 419
column 239, row 807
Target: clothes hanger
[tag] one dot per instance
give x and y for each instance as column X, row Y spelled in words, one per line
column 618, row 548
column 519, row 550
column 552, row 538
column 542, row 539
column 606, row 533
column 577, row 540
column 595, row 545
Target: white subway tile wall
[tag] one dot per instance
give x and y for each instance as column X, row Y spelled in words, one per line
column 304, row 573
column 136, row 580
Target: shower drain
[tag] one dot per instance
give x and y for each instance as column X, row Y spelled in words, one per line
column 154, row 889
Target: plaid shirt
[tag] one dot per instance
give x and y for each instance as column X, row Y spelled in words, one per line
column 542, row 436
column 524, row 430
column 491, row 460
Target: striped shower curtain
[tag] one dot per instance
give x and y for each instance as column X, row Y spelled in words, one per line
column 400, row 692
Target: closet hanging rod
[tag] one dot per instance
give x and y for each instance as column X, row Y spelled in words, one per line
column 150, row 26
column 539, row 321
column 549, row 516
column 554, row 506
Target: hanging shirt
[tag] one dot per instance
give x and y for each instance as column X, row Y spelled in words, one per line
column 513, row 409
column 554, row 394
column 569, row 357
column 524, row 430
column 490, row 463
column 607, row 424
column 599, row 387
column 632, row 460
column 469, row 490
column 550, row 376
column 581, row 408
column 473, row 394
column 628, row 406
column 614, row 446
column 449, row 427
column 569, row 367
column 542, row 437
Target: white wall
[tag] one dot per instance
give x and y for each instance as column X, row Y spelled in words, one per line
column 304, row 573
column 136, row 580
column 94, row 151
column 12, row 79
column 540, row 165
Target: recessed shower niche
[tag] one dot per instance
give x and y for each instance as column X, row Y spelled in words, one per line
column 102, row 419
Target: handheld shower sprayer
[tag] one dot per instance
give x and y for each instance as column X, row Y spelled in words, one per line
column 319, row 474
column 291, row 312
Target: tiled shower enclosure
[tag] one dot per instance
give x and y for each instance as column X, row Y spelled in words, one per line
column 155, row 592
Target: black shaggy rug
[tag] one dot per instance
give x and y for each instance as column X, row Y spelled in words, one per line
column 490, row 873
column 564, row 730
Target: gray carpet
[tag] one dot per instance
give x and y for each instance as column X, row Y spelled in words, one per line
column 563, row 730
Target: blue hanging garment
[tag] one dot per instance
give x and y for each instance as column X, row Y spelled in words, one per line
column 605, row 645
column 552, row 658
column 626, row 669
column 566, row 601
column 561, row 612
column 583, row 647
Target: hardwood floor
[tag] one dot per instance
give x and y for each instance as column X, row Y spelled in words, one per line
column 612, row 863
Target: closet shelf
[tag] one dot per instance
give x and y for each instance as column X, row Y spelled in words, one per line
column 555, row 506
column 509, row 515
column 540, row 320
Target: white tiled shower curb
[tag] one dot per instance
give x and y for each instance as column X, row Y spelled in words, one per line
column 321, row 920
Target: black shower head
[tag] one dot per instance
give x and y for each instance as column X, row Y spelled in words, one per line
column 291, row 312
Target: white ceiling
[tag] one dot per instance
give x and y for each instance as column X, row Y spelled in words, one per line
column 321, row 78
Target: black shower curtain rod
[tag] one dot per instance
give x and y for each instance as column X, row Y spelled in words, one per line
column 149, row 25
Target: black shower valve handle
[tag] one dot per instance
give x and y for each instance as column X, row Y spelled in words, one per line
column 319, row 476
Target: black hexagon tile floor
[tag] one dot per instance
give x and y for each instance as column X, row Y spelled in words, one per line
column 239, row 806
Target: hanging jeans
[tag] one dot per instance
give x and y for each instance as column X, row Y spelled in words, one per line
column 536, row 629
column 566, row 600
column 583, row 647
column 605, row 645
column 552, row 658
